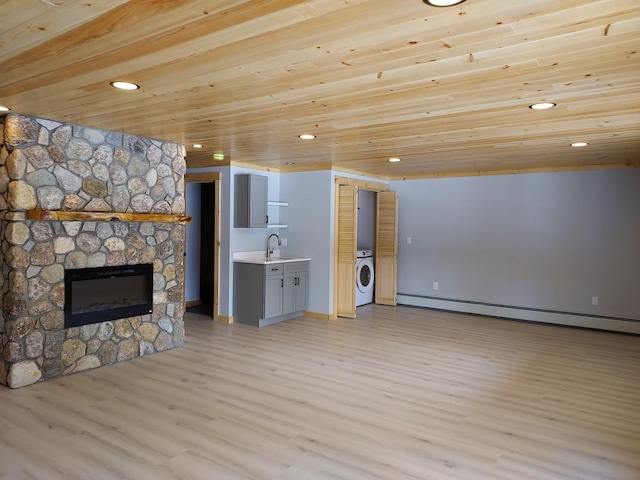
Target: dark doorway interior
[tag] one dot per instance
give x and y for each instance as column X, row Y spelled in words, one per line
column 207, row 239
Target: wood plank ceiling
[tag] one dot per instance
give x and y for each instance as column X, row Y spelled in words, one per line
column 446, row 90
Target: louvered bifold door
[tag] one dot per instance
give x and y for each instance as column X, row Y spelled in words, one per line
column 386, row 266
column 346, row 255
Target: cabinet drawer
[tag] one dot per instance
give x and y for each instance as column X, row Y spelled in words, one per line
column 273, row 269
column 295, row 267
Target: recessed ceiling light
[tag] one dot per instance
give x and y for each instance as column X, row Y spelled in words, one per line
column 124, row 85
column 197, row 145
column 307, row 136
column 289, row 163
column 394, row 160
column 4, row 109
column 579, row 144
column 443, row 3
column 542, row 106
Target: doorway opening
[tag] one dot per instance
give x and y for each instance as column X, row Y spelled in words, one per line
column 202, row 270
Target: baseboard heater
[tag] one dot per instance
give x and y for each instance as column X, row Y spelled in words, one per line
column 519, row 313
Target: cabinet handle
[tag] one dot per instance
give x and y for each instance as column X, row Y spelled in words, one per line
column 267, row 219
column 281, row 283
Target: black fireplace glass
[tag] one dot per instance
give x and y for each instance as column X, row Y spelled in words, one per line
column 94, row 295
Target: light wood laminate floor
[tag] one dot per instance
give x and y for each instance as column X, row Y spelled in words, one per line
column 399, row 393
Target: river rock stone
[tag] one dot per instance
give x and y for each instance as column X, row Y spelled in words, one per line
column 39, row 308
column 53, row 273
column 56, row 296
column 165, row 324
column 17, row 233
column 73, row 203
column 34, row 344
column 98, row 259
column 38, row 157
column 56, row 153
column 40, row 178
column 88, row 331
column 16, row 165
column 68, row 181
column 20, row 130
column 72, row 350
column 16, row 329
column 98, row 205
column 118, row 174
column 76, row 260
column 80, row 168
column 21, row 196
column 123, row 328
column 146, row 348
column 105, row 331
column 42, row 254
column 4, row 179
column 154, row 155
column 42, row 231
column 62, row 245
column 52, row 320
column 23, row 374
column 79, row 149
column 141, row 203
column 38, row 288
column 95, row 187
column 107, row 352
column 127, row 349
column 87, row 362
column 61, row 136
column 17, row 282
column 114, row 244
column 104, row 155
column 13, row 352
column 50, row 197
column 120, row 198
column 163, row 342
column 13, row 306
column 148, row 331
column 88, row 242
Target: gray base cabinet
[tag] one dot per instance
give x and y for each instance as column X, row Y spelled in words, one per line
column 269, row 293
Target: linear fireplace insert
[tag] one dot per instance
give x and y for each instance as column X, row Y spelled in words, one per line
column 94, row 295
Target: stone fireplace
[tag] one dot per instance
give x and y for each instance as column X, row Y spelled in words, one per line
column 53, row 167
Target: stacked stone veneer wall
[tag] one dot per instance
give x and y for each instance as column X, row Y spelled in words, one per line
column 54, row 166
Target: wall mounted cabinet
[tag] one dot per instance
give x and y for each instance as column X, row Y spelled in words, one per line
column 250, row 206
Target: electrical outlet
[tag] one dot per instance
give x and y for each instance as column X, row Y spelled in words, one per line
column 594, row 300
column 408, row 240
column 283, row 242
column 435, row 285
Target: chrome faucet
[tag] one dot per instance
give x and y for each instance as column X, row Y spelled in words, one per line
column 269, row 249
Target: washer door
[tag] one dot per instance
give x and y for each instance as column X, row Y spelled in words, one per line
column 364, row 275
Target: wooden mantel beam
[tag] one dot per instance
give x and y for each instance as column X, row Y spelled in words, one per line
column 64, row 216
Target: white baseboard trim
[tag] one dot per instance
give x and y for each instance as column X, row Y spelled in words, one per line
column 543, row 316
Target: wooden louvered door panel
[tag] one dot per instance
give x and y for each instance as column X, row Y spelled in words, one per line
column 386, row 266
column 346, row 232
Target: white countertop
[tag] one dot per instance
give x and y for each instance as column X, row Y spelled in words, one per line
column 260, row 258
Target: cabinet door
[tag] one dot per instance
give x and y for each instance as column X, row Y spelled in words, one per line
column 250, row 201
column 300, row 292
column 289, row 293
column 258, row 194
column 273, row 296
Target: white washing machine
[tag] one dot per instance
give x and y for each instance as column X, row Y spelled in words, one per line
column 364, row 277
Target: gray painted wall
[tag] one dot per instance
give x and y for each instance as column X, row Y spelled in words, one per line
column 192, row 264
column 366, row 238
column 546, row 241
